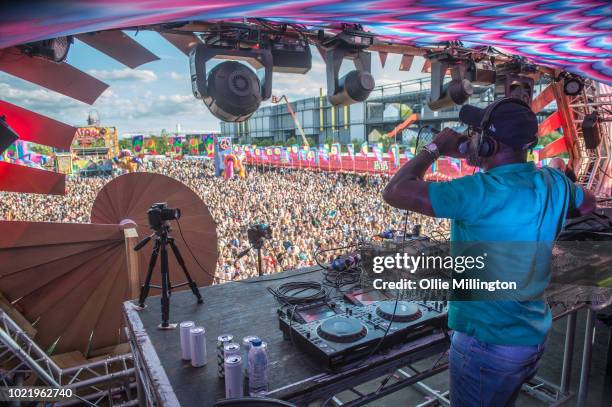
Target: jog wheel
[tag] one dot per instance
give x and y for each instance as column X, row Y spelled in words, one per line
column 404, row 312
column 342, row 329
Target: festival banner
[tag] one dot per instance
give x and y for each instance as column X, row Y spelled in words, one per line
column 336, row 150
column 150, row 144
column 177, row 145
column 351, row 151
column 364, row 149
column 323, row 152
column 209, row 144
column 137, row 142
column 295, row 148
column 377, row 152
column 194, row 145
column 277, row 151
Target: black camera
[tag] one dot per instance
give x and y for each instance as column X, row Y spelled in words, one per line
column 159, row 213
column 258, row 232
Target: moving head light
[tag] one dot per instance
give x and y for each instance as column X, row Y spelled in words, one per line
column 455, row 92
column 356, row 85
column 515, row 79
column 231, row 91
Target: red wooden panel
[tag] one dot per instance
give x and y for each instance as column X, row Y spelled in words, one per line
column 552, row 149
column 552, row 123
column 34, row 127
column 59, row 77
column 117, row 45
column 383, row 57
column 18, row 178
column 183, row 42
column 406, row 62
column 543, row 99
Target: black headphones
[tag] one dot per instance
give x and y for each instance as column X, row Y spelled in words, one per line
column 483, row 144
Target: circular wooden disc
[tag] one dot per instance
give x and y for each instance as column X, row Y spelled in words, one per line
column 126, row 199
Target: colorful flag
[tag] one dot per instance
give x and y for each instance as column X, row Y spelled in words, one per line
column 269, row 151
column 377, row 152
column 351, row 150
column 323, row 152
column 395, row 154
column 137, row 143
column 277, row 151
column 364, row 149
column 295, row 148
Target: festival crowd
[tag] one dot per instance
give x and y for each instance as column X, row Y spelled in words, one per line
column 308, row 212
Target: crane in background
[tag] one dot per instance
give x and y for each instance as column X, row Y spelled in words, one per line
column 276, row 99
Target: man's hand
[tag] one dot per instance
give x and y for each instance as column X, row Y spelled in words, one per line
column 448, row 142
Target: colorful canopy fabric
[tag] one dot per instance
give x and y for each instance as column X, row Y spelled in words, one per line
column 569, row 34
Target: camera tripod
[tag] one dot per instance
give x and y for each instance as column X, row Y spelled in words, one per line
column 162, row 239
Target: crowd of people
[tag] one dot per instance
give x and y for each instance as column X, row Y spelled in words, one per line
column 308, row 212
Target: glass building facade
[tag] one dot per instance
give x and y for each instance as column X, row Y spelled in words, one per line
column 386, row 107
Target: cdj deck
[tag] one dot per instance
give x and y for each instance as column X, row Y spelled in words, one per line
column 341, row 331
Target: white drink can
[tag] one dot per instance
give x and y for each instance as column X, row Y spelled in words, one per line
column 198, row 346
column 234, row 379
column 184, row 328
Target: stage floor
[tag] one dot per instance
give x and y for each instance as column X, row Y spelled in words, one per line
column 244, row 309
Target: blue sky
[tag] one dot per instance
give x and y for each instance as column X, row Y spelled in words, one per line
column 158, row 95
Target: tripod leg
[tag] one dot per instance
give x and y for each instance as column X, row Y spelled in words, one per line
column 181, row 262
column 144, row 290
column 165, row 299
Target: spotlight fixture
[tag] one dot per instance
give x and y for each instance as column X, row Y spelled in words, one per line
column 572, row 84
column 356, row 85
column 232, row 91
column 7, row 135
column 55, row 49
column 515, row 79
column 459, row 89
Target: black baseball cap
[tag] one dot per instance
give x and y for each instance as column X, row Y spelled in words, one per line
column 512, row 123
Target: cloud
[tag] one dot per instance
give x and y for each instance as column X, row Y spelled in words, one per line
column 126, row 74
column 177, row 76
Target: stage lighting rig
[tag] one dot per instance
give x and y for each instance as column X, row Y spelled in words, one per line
column 460, row 88
column 515, row 78
column 572, row 84
column 356, row 85
column 231, row 90
column 55, row 49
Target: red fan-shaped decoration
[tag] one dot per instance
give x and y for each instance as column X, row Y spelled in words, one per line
column 70, row 279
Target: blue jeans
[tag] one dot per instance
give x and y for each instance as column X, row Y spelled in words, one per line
column 486, row 375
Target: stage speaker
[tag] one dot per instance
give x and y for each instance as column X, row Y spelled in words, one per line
column 590, row 131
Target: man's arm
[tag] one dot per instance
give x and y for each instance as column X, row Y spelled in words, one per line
column 407, row 190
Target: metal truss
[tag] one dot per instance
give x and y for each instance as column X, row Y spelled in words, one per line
column 21, row 358
column 592, row 166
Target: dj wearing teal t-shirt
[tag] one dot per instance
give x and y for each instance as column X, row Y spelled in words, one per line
column 496, row 344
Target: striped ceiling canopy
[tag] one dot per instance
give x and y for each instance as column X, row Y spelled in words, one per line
column 573, row 35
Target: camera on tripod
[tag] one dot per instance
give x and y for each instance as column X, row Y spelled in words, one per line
column 159, row 214
column 257, row 232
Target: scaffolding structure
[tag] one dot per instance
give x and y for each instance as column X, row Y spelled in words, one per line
column 592, row 166
column 107, row 382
